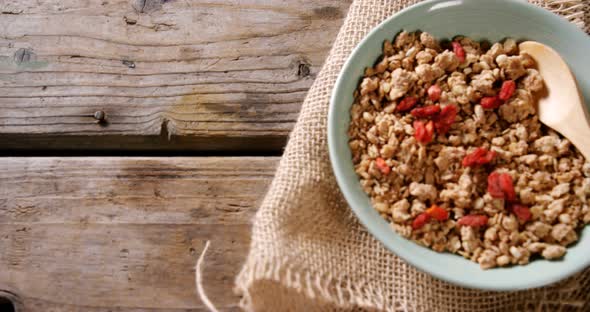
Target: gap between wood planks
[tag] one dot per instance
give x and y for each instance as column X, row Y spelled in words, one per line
column 157, row 146
column 143, row 153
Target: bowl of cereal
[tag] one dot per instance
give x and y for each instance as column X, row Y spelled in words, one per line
column 436, row 146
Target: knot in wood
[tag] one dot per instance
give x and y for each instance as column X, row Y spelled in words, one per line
column 23, row 55
column 303, row 70
column 146, row 6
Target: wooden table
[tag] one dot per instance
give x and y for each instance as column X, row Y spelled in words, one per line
column 133, row 132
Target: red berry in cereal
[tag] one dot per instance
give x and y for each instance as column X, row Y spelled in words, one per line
column 426, row 111
column 473, row 220
column 459, row 51
column 507, row 90
column 406, row 104
column 434, row 92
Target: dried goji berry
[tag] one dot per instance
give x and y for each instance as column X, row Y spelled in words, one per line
column 423, row 132
column 459, row 51
column 500, row 186
column 490, row 102
column 494, row 187
column 382, row 166
column 522, row 212
column 406, row 104
column 480, row 156
column 419, row 129
column 507, row 90
column 473, row 220
column 429, row 131
column 507, row 187
column 471, row 159
column 446, row 117
column 434, row 92
column 437, row 213
column 420, row 220
column 489, row 156
column 426, row 111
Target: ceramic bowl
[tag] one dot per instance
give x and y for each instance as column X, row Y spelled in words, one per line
column 493, row 21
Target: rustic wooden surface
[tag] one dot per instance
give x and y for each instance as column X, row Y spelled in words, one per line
column 124, row 234
column 169, row 74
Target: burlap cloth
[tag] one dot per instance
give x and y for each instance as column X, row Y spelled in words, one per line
column 309, row 252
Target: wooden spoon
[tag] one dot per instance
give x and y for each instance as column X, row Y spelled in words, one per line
column 563, row 108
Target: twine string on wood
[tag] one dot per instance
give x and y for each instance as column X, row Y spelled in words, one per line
column 199, row 280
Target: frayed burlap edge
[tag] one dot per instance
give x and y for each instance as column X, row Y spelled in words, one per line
column 272, row 281
column 311, row 292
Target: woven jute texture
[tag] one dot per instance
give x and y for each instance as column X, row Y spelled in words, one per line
column 309, row 252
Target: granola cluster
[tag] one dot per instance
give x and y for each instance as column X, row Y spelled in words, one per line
column 446, row 143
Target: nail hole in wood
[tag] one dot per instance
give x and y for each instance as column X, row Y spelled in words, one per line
column 129, row 20
column 100, row 117
column 6, row 305
column 130, row 64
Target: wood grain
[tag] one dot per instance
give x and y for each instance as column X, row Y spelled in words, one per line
column 196, row 75
column 123, row 234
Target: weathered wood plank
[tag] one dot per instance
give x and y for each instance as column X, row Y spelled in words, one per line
column 168, row 75
column 123, row 234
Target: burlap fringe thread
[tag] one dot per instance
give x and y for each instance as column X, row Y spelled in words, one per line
column 199, row 280
column 575, row 11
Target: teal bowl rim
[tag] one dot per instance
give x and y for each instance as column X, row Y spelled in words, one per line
column 390, row 237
